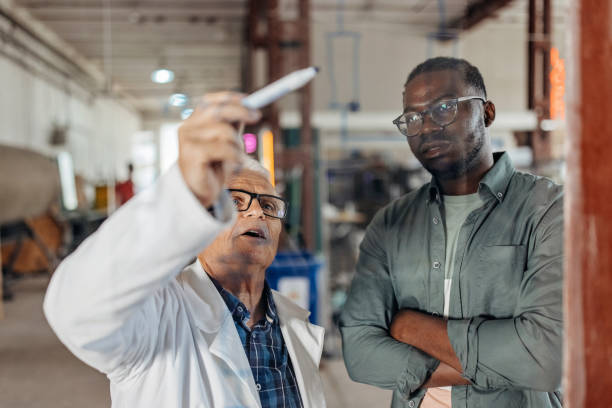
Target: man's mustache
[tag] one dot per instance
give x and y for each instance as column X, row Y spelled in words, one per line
column 440, row 136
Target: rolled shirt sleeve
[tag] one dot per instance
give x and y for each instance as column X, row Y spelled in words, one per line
column 371, row 355
column 523, row 351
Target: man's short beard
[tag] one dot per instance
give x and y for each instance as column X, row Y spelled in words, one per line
column 460, row 168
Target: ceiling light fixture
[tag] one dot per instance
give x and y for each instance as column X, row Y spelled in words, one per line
column 186, row 113
column 178, row 99
column 162, row 76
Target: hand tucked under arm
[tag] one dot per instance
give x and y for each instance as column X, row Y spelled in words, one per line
column 444, row 376
column 427, row 333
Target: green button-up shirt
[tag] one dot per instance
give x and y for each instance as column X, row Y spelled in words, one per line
column 505, row 320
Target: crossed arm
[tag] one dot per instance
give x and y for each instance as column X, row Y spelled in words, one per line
column 429, row 334
column 409, row 350
column 420, row 351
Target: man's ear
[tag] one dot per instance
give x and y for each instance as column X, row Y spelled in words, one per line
column 489, row 113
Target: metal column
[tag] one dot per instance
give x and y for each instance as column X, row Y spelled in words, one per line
column 267, row 32
column 539, row 43
column 308, row 219
column 262, row 32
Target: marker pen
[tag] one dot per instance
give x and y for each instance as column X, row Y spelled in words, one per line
column 279, row 88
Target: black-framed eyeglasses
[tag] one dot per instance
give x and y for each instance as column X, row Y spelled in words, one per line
column 442, row 113
column 271, row 205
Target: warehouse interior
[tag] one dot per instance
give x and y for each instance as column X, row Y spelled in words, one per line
column 93, row 92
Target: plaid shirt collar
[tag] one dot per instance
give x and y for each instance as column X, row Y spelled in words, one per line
column 239, row 311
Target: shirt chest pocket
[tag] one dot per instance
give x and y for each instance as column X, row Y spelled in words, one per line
column 493, row 280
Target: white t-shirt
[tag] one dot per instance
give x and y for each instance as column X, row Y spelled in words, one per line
column 456, row 210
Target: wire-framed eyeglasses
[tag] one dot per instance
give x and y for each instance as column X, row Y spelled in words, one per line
column 271, row 205
column 442, row 113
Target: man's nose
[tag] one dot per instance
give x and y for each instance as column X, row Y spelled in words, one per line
column 255, row 209
column 429, row 126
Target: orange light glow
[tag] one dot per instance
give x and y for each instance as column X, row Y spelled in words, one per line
column 557, row 85
column 267, row 143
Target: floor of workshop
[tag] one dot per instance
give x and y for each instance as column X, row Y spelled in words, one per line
column 37, row 371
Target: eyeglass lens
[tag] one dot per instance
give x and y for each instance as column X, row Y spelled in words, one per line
column 270, row 205
column 441, row 113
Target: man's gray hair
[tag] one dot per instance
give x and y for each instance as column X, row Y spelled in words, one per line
column 249, row 163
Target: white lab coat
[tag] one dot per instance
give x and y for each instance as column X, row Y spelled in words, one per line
column 125, row 304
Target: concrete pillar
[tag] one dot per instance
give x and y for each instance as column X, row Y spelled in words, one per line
column 588, row 221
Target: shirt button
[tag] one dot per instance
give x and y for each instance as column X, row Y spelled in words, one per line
column 436, row 265
column 239, row 308
column 435, row 220
column 411, row 403
column 500, row 195
column 258, row 386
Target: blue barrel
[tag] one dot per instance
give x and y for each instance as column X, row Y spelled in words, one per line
column 295, row 275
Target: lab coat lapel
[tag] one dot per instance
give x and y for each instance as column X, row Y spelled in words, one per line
column 226, row 345
column 212, row 317
column 304, row 343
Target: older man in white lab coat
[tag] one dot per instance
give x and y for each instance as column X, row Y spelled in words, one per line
column 209, row 334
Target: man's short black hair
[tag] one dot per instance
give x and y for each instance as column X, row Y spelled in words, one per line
column 471, row 74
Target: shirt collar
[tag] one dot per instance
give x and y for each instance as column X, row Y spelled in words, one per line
column 495, row 182
column 497, row 179
column 238, row 309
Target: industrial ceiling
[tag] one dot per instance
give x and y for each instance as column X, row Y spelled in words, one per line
column 202, row 41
